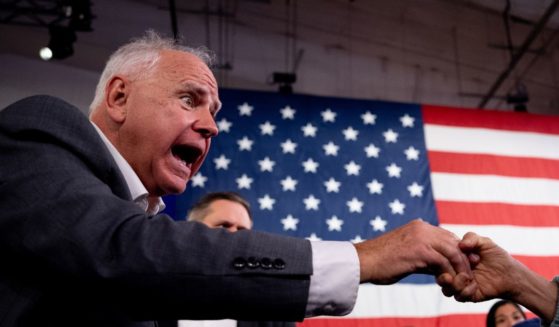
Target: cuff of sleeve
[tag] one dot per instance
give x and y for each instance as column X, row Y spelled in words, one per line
column 335, row 280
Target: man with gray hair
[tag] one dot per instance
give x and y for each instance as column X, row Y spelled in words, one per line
column 81, row 234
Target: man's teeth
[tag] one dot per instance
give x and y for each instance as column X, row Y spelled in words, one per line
column 182, row 162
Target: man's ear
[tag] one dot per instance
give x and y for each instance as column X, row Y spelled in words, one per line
column 117, row 96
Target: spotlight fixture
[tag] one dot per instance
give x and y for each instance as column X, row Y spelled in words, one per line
column 285, row 81
column 61, row 44
column 61, row 17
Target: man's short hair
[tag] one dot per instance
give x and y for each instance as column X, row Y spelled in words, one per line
column 137, row 58
column 200, row 209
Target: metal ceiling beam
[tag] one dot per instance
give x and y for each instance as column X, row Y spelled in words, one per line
column 520, row 53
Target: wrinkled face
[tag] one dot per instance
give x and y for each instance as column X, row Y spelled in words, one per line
column 169, row 122
column 507, row 315
column 227, row 214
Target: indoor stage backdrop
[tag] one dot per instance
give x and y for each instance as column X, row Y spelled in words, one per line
column 326, row 168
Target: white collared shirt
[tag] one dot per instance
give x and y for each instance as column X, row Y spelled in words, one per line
column 135, row 186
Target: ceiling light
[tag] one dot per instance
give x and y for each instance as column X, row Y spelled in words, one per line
column 61, row 44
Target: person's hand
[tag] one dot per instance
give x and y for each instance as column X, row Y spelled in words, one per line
column 493, row 267
column 498, row 275
column 416, row 247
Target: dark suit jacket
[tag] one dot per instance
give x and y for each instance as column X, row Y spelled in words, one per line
column 75, row 250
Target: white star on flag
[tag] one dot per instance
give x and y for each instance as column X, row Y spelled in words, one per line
column 350, row 134
column 330, row 149
column 390, row 136
column 309, row 130
column 332, row 185
column 267, row 128
column 407, row 120
column 412, row 153
column 334, row 223
column 328, row 116
column 313, row 238
column 393, row 170
column 222, row 162
column 415, row 190
column 372, row 151
column 266, row 203
column 355, row 205
column 287, row 113
column 368, row 118
column 310, row 166
column 378, row 224
column 244, row 182
column 288, row 184
column 245, row 109
column 375, row 187
column 266, row 164
column 288, row 146
column 289, row 223
column 245, row 144
column 356, row 239
column 352, row 168
column 397, row 207
column 311, row 203
column 199, row 180
column 224, row 125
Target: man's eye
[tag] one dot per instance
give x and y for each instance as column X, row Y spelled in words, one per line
column 188, row 101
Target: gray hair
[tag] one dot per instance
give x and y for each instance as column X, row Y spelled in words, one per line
column 137, row 59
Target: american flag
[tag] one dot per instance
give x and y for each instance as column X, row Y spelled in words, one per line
column 327, row 168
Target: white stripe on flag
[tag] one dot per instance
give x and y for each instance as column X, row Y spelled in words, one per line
column 494, row 142
column 410, row 300
column 491, row 188
column 529, row 241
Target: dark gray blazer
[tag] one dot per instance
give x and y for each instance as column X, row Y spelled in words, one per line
column 75, row 251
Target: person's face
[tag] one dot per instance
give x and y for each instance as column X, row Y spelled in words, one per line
column 507, row 315
column 169, row 122
column 227, row 214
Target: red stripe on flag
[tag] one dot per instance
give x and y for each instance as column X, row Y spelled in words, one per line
column 493, row 165
column 490, row 119
column 545, row 266
column 465, row 213
column 448, row 320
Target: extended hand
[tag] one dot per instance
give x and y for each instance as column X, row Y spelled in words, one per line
column 416, row 247
column 497, row 274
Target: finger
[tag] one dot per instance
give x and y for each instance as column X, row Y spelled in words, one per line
column 461, row 285
column 469, row 242
column 474, row 259
column 457, row 258
column 467, row 293
column 440, row 265
column 445, row 281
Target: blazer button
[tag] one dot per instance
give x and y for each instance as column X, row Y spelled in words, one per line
column 279, row 264
column 239, row 263
column 253, row 263
column 266, row 263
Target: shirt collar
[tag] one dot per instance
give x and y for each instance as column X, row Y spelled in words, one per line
column 137, row 189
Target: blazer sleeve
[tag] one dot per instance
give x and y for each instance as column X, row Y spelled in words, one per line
column 66, row 213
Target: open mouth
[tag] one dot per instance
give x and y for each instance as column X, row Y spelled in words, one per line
column 185, row 153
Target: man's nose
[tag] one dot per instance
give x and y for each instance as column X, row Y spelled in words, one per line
column 205, row 124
